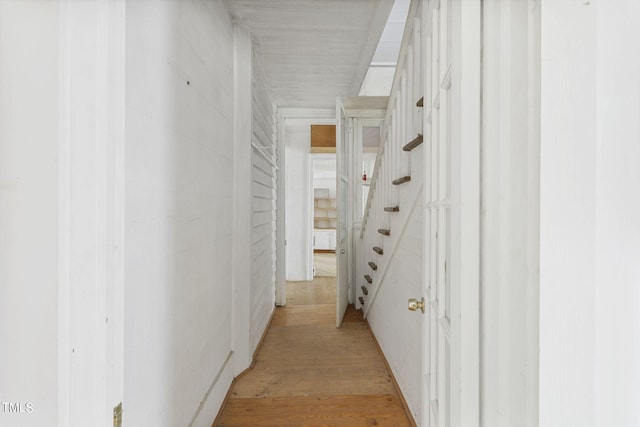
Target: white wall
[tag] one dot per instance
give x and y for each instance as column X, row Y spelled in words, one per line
column 617, row 280
column 179, row 216
column 510, row 188
column 299, row 225
column 29, row 101
column 72, row 213
column 324, row 173
column 397, row 329
column 589, row 227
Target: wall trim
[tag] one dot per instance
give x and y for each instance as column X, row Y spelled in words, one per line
column 259, row 346
column 210, row 389
column 243, row 373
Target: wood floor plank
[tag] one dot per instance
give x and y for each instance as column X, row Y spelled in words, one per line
column 297, row 315
column 295, row 382
column 321, row 290
column 351, row 411
column 324, row 264
column 310, row 373
column 352, row 315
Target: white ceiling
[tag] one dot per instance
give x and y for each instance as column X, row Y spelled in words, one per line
column 313, row 51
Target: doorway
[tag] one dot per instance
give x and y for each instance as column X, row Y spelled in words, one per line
column 324, row 214
column 321, row 289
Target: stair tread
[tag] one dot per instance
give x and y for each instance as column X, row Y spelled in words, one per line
column 378, row 250
column 413, row 143
column 392, row 209
column 373, row 265
column 384, row 231
column 401, row 180
column 420, row 102
column 368, row 278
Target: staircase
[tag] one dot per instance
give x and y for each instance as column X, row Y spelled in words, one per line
column 397, row 180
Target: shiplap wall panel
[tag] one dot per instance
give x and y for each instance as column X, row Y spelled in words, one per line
column 263, row 183
column 402, row 281
column 178, row 223
column 262, row 177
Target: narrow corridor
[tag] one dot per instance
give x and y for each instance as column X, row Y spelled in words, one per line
column 307, row 372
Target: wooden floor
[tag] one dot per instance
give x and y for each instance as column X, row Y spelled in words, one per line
column 309, row 373
column 324, row 264
column 322, row 290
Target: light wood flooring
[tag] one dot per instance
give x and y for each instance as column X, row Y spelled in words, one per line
column 309, row 373
column 324, row 264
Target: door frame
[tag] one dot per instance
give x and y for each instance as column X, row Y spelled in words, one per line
column 344, row 168
column 321, row 115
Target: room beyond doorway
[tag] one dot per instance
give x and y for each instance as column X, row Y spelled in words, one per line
column 320, row 290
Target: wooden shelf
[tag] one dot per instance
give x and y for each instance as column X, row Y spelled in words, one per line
column 324, row 210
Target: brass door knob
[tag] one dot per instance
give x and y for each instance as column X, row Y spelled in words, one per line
column 415, row 305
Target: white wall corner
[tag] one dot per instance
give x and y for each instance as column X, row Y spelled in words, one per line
column 242, row 134
column 281, row 264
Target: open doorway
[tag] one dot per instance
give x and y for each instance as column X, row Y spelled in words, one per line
column 324, row 215
column 322, row 288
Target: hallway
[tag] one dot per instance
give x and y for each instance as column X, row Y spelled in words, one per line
column 307, row 372
column 158, row 202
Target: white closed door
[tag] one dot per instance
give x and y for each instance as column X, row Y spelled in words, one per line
column 450, row 371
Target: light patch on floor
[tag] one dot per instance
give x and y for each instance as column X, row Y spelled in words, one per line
column 321, row 290
column 324, row 264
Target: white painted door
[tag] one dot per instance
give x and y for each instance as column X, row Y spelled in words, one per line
column 343, row 226
column 450, row 386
